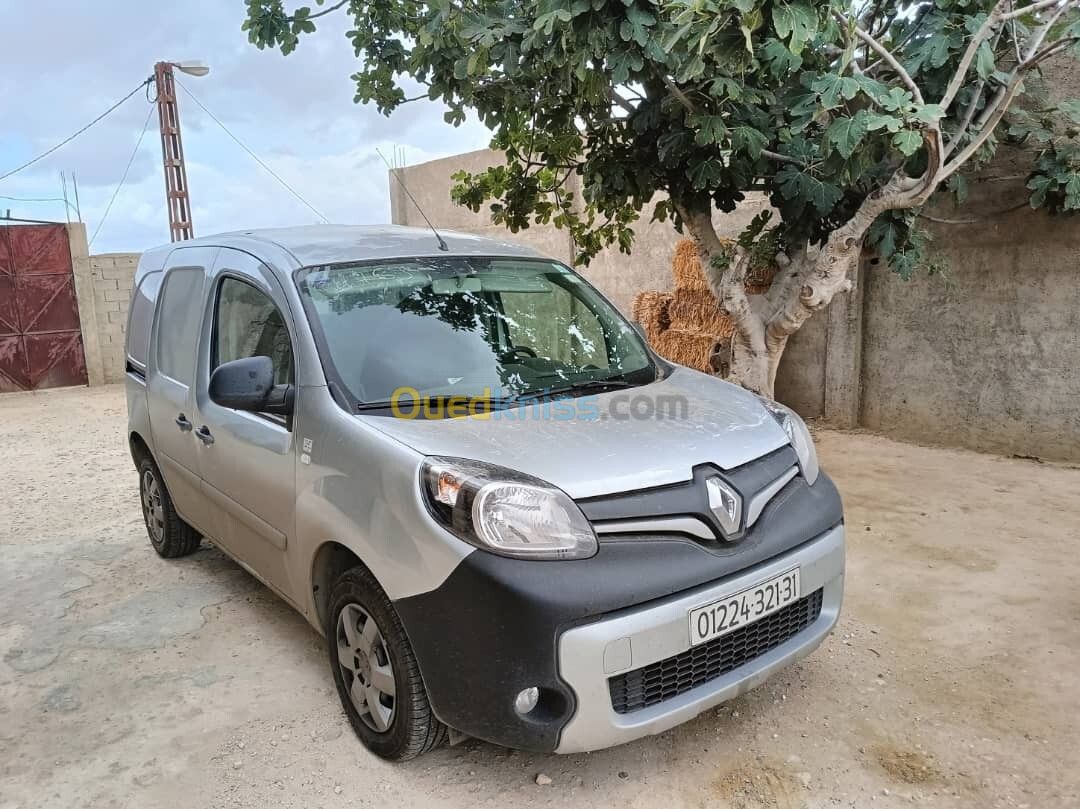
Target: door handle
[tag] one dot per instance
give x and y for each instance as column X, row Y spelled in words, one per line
column 183, row 423
column 204, row 435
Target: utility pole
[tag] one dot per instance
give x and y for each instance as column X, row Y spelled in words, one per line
column 172, row 147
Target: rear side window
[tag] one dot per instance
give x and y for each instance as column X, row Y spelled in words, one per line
column 179, row 323
column 142, row 318
column 250, row 325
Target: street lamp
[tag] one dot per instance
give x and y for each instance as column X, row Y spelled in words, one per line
column 172, row 147
column 193, row 67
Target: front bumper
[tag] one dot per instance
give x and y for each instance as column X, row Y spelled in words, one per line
column 590, row 654
column 497, row 625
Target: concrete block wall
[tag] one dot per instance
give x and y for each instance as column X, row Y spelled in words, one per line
column 112, row 276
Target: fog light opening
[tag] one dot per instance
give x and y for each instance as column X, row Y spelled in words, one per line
column 527, row 700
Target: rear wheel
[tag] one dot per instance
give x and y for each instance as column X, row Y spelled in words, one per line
column 376, row 673
column 170, row 536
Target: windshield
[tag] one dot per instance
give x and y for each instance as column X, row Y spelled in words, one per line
column 472, row 327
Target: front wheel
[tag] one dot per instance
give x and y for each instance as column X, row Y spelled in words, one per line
column 376, row 673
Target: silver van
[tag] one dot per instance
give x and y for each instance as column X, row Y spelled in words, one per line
column 510, row 519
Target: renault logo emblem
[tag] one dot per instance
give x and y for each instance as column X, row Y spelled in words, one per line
column 725, row 504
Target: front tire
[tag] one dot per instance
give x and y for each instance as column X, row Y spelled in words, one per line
column 376, row 673
column 170, row 536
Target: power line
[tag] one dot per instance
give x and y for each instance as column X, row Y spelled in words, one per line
column 37, row 199
column 72, row 137
column 123, row 176
column 252, row 154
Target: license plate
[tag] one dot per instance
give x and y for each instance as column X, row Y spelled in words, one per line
column 740, row 609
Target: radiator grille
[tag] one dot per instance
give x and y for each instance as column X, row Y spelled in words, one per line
column 665, row 679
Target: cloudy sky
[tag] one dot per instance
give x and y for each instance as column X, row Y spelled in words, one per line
column 63, row 63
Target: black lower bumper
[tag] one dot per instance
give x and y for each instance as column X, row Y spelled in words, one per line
column 492, row 628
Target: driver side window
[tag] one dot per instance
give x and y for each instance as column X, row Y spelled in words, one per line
column 248, row 324
column 555, row 325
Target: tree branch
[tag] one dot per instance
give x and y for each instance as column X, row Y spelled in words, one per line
column 958, row 78
column 1033, row 8
column 324, row 12
column 680, row 95
column 782, row 158
column 972, row 107
column 995, row 110
column 788, row 280
column 1053, row 49
column 1040, row 36
column 888, row 58
column 622, row 102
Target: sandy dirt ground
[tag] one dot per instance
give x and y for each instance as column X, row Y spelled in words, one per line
column 953, row 678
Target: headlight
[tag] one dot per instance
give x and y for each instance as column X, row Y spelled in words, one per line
column 801, row 441
column 505, row 512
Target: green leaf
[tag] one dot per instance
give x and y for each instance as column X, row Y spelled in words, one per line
column 639, row 16
column 750, row 139
column 779, row 60
column 908, row 142
column 797, row 20
column 933, row 50
column 727, row 87
column 706, row 173
column 877, row 120
column 797, row 184
column 958, row 184
column 831, row 88
column 896, row 100
column 1040, row 186
column 1071, row 109
column 710, row 129
column 847, row 133
column 884, row 235
column 670, row 146
column 929, row 113
column 984, row 60
column 871, row 87
column 1072, row 193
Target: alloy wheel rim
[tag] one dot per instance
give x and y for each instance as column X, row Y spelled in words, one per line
column 366, row 669
column 153, row 512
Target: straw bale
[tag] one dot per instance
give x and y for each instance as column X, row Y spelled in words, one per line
column 650, row 309
column 693, row 349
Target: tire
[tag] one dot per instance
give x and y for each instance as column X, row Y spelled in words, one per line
column 401, row 726
column 170, row 536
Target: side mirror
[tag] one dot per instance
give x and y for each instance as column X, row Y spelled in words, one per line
column 248, row 384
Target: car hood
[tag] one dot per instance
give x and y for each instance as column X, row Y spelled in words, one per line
column 651, row 435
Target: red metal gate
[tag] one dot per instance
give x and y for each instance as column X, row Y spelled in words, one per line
column 40, row 338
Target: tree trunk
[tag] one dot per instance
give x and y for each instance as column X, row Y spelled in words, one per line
column 726, row 275
column 807, row 281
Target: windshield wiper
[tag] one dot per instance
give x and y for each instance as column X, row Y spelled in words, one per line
column 407, row 405
column 598, row 385
column 383, row 405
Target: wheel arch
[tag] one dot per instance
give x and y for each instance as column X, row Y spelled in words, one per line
column 330, row 560
column 139, row 447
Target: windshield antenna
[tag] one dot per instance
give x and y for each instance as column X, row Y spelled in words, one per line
column 442, row 243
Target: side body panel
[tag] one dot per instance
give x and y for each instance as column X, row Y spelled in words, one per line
column 360, row 489
column 170, row 401
column 137, row 348
column 248, row 469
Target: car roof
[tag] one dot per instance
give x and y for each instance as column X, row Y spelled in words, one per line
column 314, row 245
